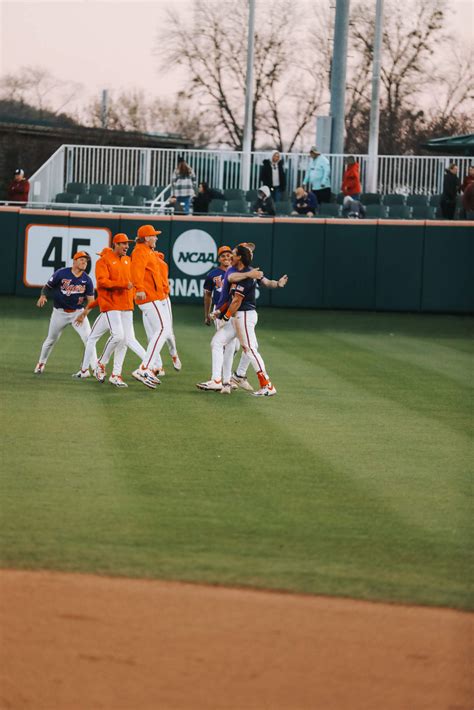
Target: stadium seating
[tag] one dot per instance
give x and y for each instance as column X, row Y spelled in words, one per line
column 66, row 197
column 113, row 200
column 375, row 211
column 237, row 206
column 340, row 198
column 217, row 206
column 399, row 212
column 251, row 195
column 78, row 188
column 102, row 190
column 394, row 199
column 233, row 194
column 89, row 199
column 283, row 207
column 417, row 200
column 124, row 190
column 146, row 191
column 371, row 198
column 133, row 201
column 329, row 209
column 423, row 212
column 434, row 200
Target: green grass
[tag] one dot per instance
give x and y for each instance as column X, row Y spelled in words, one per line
column 355, row 480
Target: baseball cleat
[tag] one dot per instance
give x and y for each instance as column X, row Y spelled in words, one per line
column 146, row 377
column 176, row 363
column 117, row 381
column 226, row 388
column 242, row 382
column 81, row 375
column 211, row 385
column 159, row 372
column 267, row 391
column 99, row 372
column 39, row 368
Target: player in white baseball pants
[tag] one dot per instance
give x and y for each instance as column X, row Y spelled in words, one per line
column 60, row 319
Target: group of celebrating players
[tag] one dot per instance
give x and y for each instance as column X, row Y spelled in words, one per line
column 142, row 279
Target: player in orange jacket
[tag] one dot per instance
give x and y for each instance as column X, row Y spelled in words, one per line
column 171, row 341
column 151, row 298
column 115, row 298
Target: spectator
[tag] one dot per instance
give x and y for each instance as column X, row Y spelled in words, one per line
column 183, row 184
column 272, row 174
column 174, row 205
column 450, row 191
column 353, row 209
column 468, row 201
column 351, row 186
column 264, row 206
column 468, row 179
column 304, row 203
column 205, row 194
column 19, row 187
column 318, row 176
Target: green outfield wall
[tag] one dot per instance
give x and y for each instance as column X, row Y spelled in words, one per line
column 386, row 265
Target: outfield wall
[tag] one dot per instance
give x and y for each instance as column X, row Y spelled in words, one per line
column 386, row 265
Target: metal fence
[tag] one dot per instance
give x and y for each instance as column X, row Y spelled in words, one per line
column 222, row 169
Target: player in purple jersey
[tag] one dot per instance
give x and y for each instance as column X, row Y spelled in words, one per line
column 214, row 282
column 72, row 289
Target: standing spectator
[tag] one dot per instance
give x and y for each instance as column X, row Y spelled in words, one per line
column 183, row 184
column 351, row 186
column 304, row 203
column 450, row 190
column 19, row 187
column 264, row 205
column 467, row 193
column 318, row 175
column 272, row 174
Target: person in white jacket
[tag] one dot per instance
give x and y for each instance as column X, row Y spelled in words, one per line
column 318, row 176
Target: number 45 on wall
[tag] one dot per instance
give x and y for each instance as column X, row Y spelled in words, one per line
column 51, row 247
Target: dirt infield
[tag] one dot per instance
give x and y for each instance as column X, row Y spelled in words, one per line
column 83, row 642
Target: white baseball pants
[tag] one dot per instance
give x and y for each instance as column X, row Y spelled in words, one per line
column 122, row 335
column 59, row 320
column 157, row 322
column 243, row 325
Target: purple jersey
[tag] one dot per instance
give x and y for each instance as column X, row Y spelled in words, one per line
column 224, row 297
column 213, row 283
column 70, row 292
column 246, row 289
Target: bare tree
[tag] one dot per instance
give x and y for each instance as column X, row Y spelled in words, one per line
column 38, row 87
column 213, row 51
column 417, row 94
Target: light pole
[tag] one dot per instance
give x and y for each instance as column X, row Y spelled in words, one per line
column 247, row 141
column 372, row 165
column 338, row 75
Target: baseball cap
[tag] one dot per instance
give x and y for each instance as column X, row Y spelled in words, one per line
column 223, row 250
column 121, row 239
column 146, row 230
column 78, row 255
column 19, row 171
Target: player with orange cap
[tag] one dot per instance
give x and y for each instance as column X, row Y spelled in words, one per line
column 150, row 297
column 115, row 297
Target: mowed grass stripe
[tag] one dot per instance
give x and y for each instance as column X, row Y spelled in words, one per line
column 322, row 489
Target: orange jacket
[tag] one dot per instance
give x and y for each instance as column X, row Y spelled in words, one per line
column 147, row 274
column 113, row 274
column 351, row 180
column 164, row 272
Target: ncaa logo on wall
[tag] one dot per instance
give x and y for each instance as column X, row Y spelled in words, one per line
column 194, row 252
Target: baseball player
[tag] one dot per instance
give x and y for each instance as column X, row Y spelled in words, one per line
column 151, row 298
column 115, row 296
column 171, row 340
column 72, row 289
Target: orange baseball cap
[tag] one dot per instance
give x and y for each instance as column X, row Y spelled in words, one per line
column 223, row 250
column 121, row 238
column 147, row 230
column 80, row 254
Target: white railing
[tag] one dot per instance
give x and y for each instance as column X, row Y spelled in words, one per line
column 222, row 169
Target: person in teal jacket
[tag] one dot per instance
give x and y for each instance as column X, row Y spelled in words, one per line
column 318, row 176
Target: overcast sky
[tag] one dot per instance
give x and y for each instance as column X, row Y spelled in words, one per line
column 107, row 44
